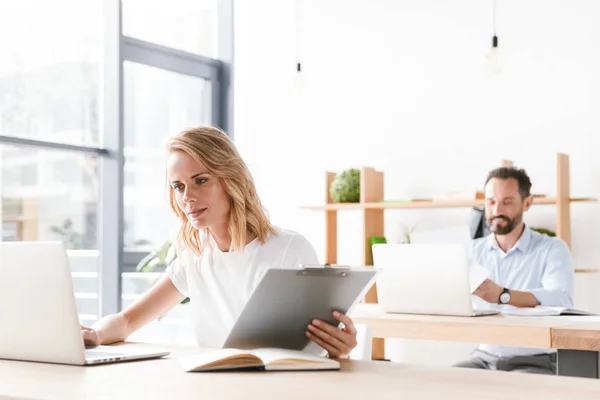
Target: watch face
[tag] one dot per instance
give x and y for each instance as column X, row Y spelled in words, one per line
column 505, row 298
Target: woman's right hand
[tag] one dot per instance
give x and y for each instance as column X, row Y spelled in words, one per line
column 90, row 336
column 114, row 328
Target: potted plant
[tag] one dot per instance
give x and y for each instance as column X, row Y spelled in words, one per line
column 162, row 257
column 544, row 231
column 345, row 187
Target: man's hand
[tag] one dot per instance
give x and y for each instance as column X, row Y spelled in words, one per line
column 489, row 291
column 338, row 342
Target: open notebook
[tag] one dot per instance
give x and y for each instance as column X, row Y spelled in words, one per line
column 540, row 311
column 260, row 359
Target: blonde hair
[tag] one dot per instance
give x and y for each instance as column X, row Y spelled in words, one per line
column 213, row 148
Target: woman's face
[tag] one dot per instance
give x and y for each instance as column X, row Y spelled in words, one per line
column 198, row 194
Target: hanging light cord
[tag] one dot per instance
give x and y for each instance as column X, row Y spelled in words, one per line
column 298, row 33
column 495, row 37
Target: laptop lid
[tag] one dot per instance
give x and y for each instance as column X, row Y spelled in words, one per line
column 423, row 278
column 37, row 306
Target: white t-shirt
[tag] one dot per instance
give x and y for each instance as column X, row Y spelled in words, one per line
column 219, row 284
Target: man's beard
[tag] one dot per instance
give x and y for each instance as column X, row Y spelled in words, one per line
column 511, row 224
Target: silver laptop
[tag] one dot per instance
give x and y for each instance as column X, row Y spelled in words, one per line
column 425, row 279
column 37, row 310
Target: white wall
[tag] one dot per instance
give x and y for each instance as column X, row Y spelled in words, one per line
column 402, row 86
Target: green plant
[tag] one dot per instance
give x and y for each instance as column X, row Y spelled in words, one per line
column 162, row 257
column 345, row 187
column 407, row 231
column 406, row 238
column 544, row 231
column 71, row 238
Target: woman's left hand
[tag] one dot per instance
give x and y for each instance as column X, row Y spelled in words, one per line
column 338, row 342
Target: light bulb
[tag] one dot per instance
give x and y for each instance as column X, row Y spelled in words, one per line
column 494, row 59
column 298, row 80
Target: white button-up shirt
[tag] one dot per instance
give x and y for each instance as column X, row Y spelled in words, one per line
column 537, row 263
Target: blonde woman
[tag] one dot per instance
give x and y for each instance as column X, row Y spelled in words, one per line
column 225, row 243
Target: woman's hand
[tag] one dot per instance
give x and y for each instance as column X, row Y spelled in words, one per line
column 90, row 337
column 338, row 342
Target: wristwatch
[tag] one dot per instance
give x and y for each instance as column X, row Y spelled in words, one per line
column 504, row 297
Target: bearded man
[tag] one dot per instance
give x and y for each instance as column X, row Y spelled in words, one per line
column 526, row 269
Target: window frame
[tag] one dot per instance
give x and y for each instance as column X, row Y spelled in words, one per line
column 117, row 49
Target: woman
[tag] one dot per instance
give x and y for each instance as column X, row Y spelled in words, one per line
column 224, row 245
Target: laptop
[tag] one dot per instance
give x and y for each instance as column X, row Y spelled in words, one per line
column 425, row 279
column 38, row 313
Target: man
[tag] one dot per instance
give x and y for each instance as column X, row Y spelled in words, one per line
column 526, row 269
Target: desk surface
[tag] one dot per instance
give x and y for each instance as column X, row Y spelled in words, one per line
column 494, row 329
column 357, row 380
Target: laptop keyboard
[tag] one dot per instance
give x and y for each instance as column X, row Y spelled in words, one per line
column 101, row 354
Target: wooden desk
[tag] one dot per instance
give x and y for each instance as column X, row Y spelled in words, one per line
column 578, row 343
column 493, row 329
column 579, row 347
column 577, row 336
column 357, row 380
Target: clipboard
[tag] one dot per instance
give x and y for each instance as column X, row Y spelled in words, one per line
column 286, row 300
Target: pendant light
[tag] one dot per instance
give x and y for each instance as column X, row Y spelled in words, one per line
column 299, row 75
column 493, row 57
column 298, row 35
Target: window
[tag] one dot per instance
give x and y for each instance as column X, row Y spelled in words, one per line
column 49, row 195
column 50, row 70
column 189, row 25
column 158, row 103
column 64, row 131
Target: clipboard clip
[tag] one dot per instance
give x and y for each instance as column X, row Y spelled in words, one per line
column 326, row 266
column 342, row 269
